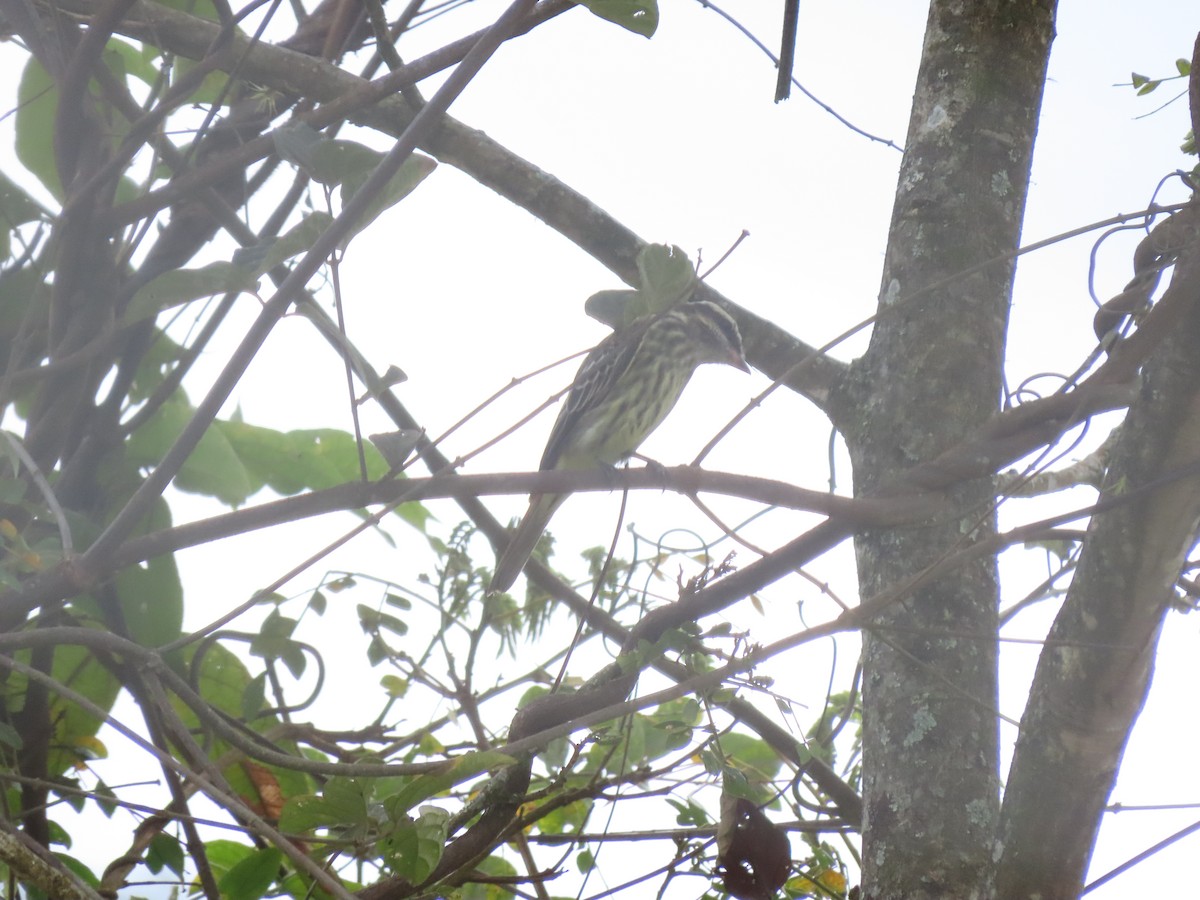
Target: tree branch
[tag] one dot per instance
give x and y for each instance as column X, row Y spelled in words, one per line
column 1084, row 700
column 370, row 104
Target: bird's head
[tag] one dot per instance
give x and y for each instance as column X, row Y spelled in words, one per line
column 714, row 335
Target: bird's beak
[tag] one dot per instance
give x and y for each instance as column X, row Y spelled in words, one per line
column 739, row 362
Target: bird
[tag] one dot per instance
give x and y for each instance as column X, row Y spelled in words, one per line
column 623, row 390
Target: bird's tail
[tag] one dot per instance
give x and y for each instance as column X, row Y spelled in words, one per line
column 512, row 560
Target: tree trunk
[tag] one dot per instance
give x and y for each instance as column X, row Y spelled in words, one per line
column 932, row 373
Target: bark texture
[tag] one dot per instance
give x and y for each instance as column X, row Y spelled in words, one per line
column 933, row 373
column 1093, row 676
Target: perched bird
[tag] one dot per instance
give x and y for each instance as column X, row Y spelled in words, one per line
column 622, row 391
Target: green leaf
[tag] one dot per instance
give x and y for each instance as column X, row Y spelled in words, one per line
column 327, row 457
column 290, row 462
column 567, row 819
column 59, row 835
column 317, row 603
column 394, row 625
column 16, row 206
column 276, row 631
column 254, row 698
column 414, row 170
column 554, row 754
column 395, row 686
column 416, row 849
column 268, row 456
column 164, row 852
column 1061, row 549
column 74, row 734
column 179, row 286
column 343, row 803
column 72, row 739
column 397, row 446
column 669, row 727
column 377, row 651
column 250, row 878
column 130, row 60
column 336, row 162
column 297, row 143
column 74, row 800
column 37, row 104
column 106, row 799
column 393, row 376
column 10, row 737
column 90, row 748
column 372, row 620
column 156, row 363
column 750, row 755
column 667, row 275
column 690, row 814
column 212, row 87
column 223, row 679
column 298, row 239
column 223, row 855
column 735, row 783
column 348, row 164
column 151, row 597
column 294, row 658
column 86, row 875
column 1183, row 67
column 213, row 468
column 422, row 787
column 638, row 16
column 616, row 307
column 37, row 109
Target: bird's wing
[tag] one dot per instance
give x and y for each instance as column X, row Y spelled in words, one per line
column 593, row 384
